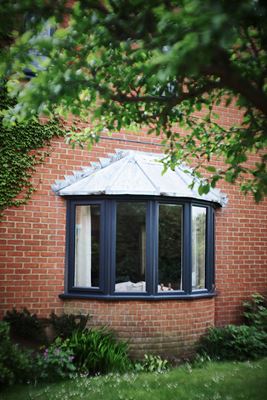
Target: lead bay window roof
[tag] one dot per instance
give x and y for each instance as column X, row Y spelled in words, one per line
column 134, row 173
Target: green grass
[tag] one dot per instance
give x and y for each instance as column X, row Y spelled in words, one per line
column 214, row 381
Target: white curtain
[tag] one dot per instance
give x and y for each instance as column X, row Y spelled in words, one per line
column 83, row 239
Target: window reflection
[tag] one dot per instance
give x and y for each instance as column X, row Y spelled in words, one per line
column 170, row 247
column 131, row 247
column 198, row 247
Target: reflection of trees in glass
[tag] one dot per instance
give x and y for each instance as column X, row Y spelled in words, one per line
column 170, row 245
column 130, row 242
column 198, row 247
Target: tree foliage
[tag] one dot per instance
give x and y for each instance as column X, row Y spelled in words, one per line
column 154, row 63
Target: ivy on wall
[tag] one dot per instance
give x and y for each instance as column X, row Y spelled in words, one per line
column 20, row 152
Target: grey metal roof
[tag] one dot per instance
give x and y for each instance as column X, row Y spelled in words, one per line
column 135, row 173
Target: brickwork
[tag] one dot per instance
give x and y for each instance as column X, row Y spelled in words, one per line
column 170, row 328
column 32, row 257
column 241, row 254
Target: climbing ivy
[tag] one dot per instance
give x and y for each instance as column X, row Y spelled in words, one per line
column 20, row 152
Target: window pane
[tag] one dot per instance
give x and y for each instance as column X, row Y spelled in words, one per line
column 170, row 247
column 87, row 246
column 198, row 247
column 131, row 247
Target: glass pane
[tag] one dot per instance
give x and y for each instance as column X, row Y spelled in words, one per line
column 198, row 247
column 131, row 247
column 170, row 248
column 87, row 246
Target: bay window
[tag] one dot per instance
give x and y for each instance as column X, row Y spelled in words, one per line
column 121, row 247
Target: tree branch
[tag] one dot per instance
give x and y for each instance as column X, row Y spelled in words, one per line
column 232, row 78
column 171, row 100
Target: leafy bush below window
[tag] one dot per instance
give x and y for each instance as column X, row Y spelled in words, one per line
column 97, row 351
column 84, row 351
column 255, row 313
column 241, row 342
column 25, row 325
column 64, row 325
column 234, row 343
column 54, row 363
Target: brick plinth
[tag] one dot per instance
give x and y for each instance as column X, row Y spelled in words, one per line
column 170, row 328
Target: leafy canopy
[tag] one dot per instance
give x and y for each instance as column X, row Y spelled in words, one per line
column 163, row 64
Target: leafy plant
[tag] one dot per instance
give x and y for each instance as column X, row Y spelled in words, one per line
column 54, row 363
column 25, row 325
column 21, row 152
column 151, row 363
column 15, row 363
column 255, row 313
column 200, row 360
column 234, row 343
column 97, row 351
column 65, row 324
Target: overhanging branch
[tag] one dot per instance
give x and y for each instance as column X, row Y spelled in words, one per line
column 171, row 100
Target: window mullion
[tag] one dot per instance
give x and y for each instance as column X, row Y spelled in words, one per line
column 210, row 249
column 187, row 249
column 152, row 247
column 70, row 237
column 102, row 255
column 111, row 245
column 105, row 246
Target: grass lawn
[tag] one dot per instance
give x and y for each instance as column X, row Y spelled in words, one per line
column 214, row 381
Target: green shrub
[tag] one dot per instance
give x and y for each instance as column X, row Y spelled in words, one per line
column 15, row 363
column 25, row 325
column 240, row 342
column 234, row 343
column 64, row 325
column 97, row 351
column 151, row 363
column 255, row 312
column 54, row 363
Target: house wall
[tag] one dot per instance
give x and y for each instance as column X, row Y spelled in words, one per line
column 32, row 256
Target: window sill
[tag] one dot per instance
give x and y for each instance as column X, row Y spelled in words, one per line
column 192, row 296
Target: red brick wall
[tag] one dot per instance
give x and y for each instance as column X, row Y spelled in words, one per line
column 32, row 249
column 241, row 254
